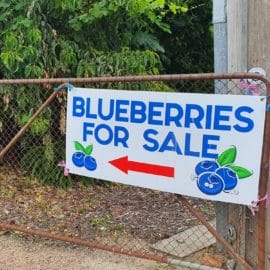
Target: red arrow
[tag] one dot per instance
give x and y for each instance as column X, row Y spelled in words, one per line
column 125, row 165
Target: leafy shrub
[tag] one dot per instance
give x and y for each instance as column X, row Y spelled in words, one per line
column 44, row 169
column 63, row 38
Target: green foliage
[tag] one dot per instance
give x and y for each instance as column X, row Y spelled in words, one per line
column 63, row 37
column 69, row 38
column 121, row 63
column 145, row 39
column 189, row 49
column 39, row 126
column 42, row 162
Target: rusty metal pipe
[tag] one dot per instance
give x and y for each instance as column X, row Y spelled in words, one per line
column 215, row 233
column 263, row 190
column 169, row 77
column 90, row 244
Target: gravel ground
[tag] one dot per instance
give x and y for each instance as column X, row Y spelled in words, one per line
column 89, row 212
column 129, row 217
column 17, row 253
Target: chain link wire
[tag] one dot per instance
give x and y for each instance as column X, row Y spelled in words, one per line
column 35, row 193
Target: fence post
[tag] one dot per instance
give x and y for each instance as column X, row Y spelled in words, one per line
column 267, row 254
column 237, row 61
column 221, row 66
column 248, row 41
column 259, row 55
column 261, row 234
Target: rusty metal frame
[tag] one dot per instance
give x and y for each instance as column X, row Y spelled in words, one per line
column 263, row 190
column 87, row 243
column 173, row 77
column 169, row 77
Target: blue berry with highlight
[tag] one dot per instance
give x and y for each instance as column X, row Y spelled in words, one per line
column 78, row 159
column 229, row 177
column 206, row 166
column 90, row 163
column 210, row 183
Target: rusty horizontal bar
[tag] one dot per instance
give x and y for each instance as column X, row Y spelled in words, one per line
column 90, row 244
column 168, row 77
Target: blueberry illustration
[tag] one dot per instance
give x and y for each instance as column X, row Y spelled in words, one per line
column 229, row 177
column 206, row 166
column 90, row 163
column 78, row 159
column 210, row 183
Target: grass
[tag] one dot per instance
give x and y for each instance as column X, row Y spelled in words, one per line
column 105, row 224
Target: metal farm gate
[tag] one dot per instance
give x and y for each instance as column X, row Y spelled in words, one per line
column 159, row 226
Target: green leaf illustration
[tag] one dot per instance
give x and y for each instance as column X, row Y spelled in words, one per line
column 227, row 157
column 89, row 149
column 241, row 172
column 79, row 147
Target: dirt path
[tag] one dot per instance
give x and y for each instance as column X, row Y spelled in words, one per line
column 19, row 254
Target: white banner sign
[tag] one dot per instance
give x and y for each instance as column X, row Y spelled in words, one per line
column 201, row 145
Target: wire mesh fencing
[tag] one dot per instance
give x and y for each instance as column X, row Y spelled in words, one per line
column 35, row 193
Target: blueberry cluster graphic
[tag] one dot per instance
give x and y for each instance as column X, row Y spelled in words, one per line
column 82, row 157
column 213, row 177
